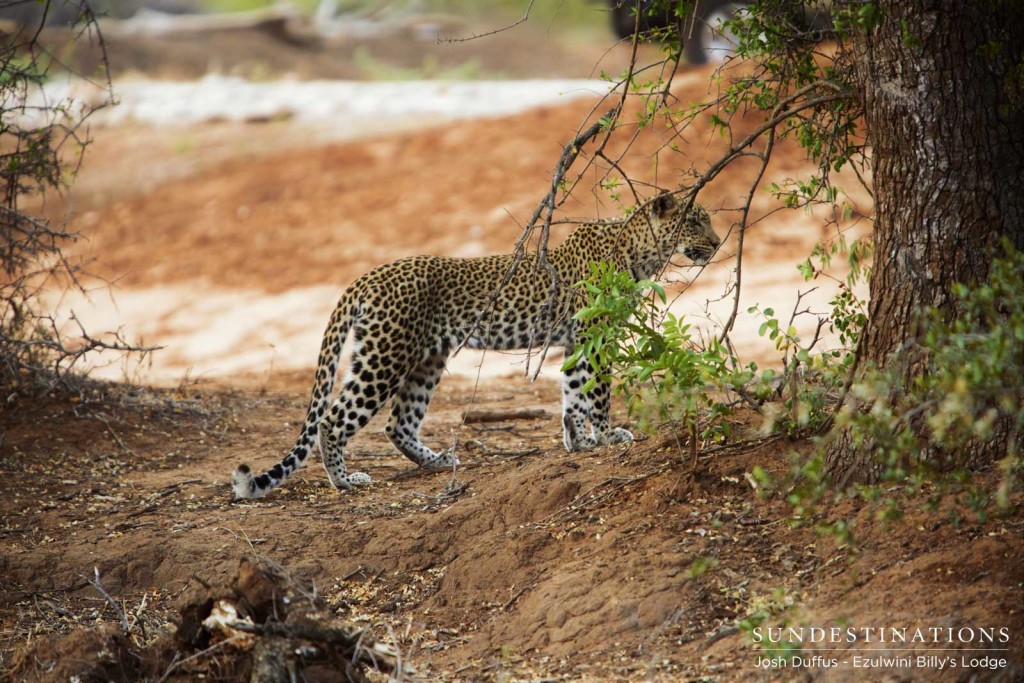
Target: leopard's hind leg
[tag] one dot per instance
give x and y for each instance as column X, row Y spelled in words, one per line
column 410, row 407
column 377, row 371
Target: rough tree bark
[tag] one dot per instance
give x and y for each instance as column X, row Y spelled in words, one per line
column 942, row 83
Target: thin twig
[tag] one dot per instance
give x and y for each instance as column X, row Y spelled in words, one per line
column 95, row 583
column 476, row 36
column 114, row 435
column 518, row 594
column 766, row 156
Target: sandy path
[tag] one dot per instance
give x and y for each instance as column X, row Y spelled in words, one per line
column 231, row 242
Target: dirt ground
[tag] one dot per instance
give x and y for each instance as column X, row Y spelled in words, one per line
column 617, row 564
column 545, row 565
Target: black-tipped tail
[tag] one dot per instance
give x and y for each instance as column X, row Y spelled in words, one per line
column 243, row 484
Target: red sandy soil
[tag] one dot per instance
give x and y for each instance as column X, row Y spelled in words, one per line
column 578, row 567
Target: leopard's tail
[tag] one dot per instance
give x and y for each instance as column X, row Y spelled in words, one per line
column 246, row 485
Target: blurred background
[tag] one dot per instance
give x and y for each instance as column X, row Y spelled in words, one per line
column 341, row 39
column 248, row 160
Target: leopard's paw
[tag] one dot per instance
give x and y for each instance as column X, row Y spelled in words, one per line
column 614, row 436
column 349, row 480
column 442, row 459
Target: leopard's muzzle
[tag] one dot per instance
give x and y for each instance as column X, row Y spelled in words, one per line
column 699, row 255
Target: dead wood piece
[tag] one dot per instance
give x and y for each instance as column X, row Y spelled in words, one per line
column 473, row 415
column 258, row 590
column 259, row 625
column 270, row 662
column 355, row 644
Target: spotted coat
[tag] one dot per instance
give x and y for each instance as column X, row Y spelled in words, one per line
column 408, row 316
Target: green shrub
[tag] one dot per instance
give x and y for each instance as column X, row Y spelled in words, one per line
column 969, row 399
column 925, row 439
column 664, row 372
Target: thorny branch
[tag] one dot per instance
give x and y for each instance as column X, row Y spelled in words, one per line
column 549, row 203
column 547, row 207
column 476, row 36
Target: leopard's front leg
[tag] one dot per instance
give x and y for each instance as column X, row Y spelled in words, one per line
column 579, row 407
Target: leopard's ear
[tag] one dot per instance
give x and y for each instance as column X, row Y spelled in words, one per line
column 664, row 205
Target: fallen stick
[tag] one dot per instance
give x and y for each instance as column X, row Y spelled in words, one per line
column 95, row 583
column 503, row 415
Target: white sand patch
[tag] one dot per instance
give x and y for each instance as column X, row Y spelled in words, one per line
column 341, row 104
column 221, row 332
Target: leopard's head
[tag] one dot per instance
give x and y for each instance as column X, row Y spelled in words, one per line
column 662, row 229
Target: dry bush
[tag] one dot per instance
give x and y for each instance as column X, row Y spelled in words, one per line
column 42, row 139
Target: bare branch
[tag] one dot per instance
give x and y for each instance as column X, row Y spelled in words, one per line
column 503, row 415
column 742, row 231
column 476, row 36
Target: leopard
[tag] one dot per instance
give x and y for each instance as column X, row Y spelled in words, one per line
column 407, row 317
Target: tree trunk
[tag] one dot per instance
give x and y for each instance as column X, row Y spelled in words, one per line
column 942, row 83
